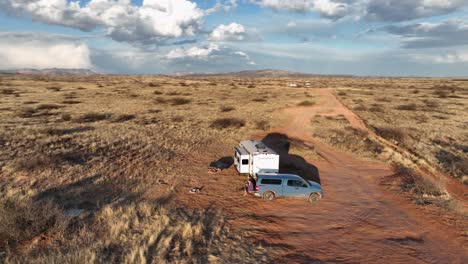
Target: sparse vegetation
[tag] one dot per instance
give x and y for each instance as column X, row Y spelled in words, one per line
column 422, row 191
column 390, row 133
column 227, row 108
column 93, row 117
column 407, row 107
column 306, row 103
column 222, row 123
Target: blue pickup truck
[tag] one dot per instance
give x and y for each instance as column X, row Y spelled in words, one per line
column 273, row 185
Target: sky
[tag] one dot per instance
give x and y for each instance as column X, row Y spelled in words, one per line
column 356, row 37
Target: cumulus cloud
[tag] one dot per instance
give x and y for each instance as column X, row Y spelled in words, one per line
column 231, row 32
column 428, row 35
column 326, row 8
column 35, row 50
column 211, row 53
column 225, row 6
column 397, row 10
column 377, row 10
column 153, row 21
column 194, row 52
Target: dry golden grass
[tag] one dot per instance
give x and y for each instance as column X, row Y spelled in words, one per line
column 114, row 149
column 427, row 117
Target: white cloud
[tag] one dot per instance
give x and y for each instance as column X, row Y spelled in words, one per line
column 453, row 32
column 246, row 56
column 449, row 57
column 24, row 50
column 326, row 8
column 193, row 52
column 151, row 22
column 231, row 32
column 211, row 53
column 225, row 6
column 378, row 10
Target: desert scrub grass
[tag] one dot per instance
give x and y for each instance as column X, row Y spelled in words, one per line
column 232, row 122
column 227, row 108
column 23, row 220
column 262, row 125
column 422, row 191
column 93, row 117
column 164, row 235
column 123, row 118
column 407, row 107
column 337, row 132
column 306, row 103
column 48, row 107
column 26, row 112
column 180, row 101
column 396, row 135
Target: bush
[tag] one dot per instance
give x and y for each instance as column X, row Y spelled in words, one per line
column 222, row 123
column 30, row 164
column 66, row 117
column 306, row 103
column 54, row 88
column 263, row 125
column 259, row 100
column 431, row 104
column 71, row 102
column 227, row 108
column 158, row 92
column 342, row 93
column 27, row 112
column 408, row 107
column 123, row 118
column 180, row 101
column 93, row 117
column 23, row 221
column 395, row 134
column 360, row 108
column 441, row 93
column 414, row 183
column 48, row 107
column 7, row 91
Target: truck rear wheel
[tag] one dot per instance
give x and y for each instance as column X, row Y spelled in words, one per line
column 268, row 196
column 314, row 197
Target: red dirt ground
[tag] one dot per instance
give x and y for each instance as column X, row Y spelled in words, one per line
column 359, row 220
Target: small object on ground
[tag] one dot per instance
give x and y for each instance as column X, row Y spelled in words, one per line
column 196, row 189
column 214, row 170
column 74, row 212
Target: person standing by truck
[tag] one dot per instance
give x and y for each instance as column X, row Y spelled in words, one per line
column 250, row 185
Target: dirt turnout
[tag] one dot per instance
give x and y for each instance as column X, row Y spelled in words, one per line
column 357, row 221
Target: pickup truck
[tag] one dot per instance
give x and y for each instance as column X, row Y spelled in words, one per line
column 274, row 185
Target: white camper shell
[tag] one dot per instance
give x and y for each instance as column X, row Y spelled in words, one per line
column 251, row 157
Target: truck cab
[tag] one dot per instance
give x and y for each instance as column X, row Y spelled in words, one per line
column 274, row 185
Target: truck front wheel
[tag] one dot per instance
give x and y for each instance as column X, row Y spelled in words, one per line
column 268, row 196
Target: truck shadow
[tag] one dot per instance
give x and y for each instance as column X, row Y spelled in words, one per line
column 290, row 163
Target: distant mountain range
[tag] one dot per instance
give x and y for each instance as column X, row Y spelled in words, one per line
column 268, row 73
column 52, row 71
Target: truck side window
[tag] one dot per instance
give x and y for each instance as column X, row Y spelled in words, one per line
column 297, row 183
column 245, row 162
column 271, row 181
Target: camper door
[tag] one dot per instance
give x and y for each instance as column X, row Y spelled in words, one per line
column 241, row 161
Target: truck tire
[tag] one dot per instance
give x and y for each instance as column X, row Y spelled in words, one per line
column 268, row 196
column 314, row 198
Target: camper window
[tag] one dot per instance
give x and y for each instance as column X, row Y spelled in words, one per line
column 245, row 162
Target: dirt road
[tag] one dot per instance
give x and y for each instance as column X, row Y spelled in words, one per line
column 357, row 221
